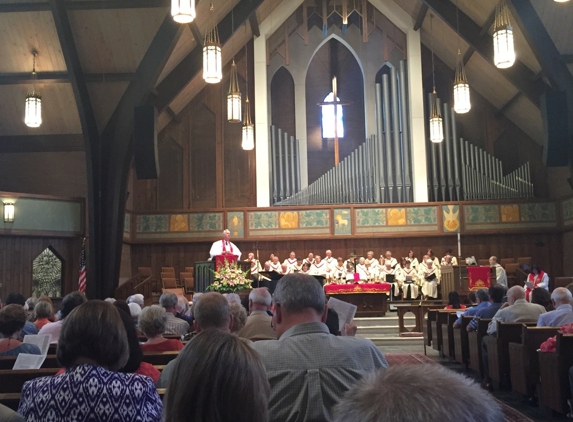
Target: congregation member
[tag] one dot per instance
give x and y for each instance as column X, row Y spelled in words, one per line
column 496, row 293
column 430, row 276
column 319, row 267
column 500, row 275
column 239, row 314
column 92, row 354
column 308, row 368
column 8, row 415
column 290, row 263
column 406, row 393
column 138, row 299
column 182, row 309
column 537, row 279
column 224, row 246
column 69, row 303
column 454, row 301
column 412, row 259
column 542, row 297
column 217, row 377
column 19, row 300
column 259, row 322
column 409, row 279
column 449, row 258
column 388, row 274
column 44, row 313
column 12, row 320
column 174, row 325
column 134, row 311
column 472, row 298
column 152, row 322
column 563, row 313
column 517, row 309
column 212, row 312
column 482, row 298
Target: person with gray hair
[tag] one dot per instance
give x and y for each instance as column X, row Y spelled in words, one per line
column 174, row 325
column 137, row 298
column 406, row 393
column 500, row 275
column 307, row 367
column 563, row 313
column 482, row 298
column 224, row 246
column 259, row 322
column 152, row 323
column 232, row 298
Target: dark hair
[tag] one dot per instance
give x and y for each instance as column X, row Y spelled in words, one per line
column 472, row 297
column 12, row 319
column 72, row 301
column 122, row 304
column 454, row 300
column 16, row 299
column 94, row 330
column 332, row 322
column 216, row 378
column 542, row 297
column 449, row 251
column 135, row 352
column 496, row 293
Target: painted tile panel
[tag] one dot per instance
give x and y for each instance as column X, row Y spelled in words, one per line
column 538, row 212
column 510, row 213
column 451, row 218
column 127, row 223
column 396, row 216
column 342, row 221
column 236, row 223
column 476, row 214
column 152, row 223
column 206, row 222
column 568, row 209
column 264, row 220
column 288, row 219
column 422, row 215
column 371, row 217
column 179, row 223
column 314, row 218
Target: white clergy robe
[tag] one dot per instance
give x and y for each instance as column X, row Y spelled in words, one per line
column 222, row 245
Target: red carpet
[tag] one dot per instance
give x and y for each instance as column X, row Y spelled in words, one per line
column 393, row 359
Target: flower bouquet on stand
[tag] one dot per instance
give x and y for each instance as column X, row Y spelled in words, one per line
column 230, row 279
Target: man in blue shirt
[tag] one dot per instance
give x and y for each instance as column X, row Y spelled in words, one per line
column 496, row 294
column 563, row 313
column 483, row 302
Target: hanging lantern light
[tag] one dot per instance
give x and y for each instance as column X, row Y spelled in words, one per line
column 436, row 126
column 212, row 68
column 234, row 97
column 248, row 138
column 33, row 107
column 503, row 48
column 183, row 11
column 462, row 103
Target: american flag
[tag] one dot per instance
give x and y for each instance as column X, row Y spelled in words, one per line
column 82, row 279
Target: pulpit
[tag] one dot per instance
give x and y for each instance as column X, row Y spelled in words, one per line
column 220, row 260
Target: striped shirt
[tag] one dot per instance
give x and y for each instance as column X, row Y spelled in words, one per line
column 176, row 325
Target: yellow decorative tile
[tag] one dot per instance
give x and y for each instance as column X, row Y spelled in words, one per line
column 288, row 219
column 510, row 213
column 451, row 218
column 178, row 223
column 396, row 217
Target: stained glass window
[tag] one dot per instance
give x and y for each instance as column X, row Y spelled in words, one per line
column 47, row 275
column 328, row 118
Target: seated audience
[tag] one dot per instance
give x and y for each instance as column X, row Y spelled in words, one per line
column 406, row 393
column 69, row 303
column 482, row 302
column 563, row 313
column 496, row 294
column 472, row 298
column 217, row 378
column 8, row 415
column 542, row 297
column 91, row 387
column 211, row 313
column 134, row 311
column 500, row 274
column 12, row 320
column 550, row 345
column 174, row 325
column 307, row 367
column 47, row 299
column 29, row 307
column 139, row 299
column 454, row 301
column 152, row 324
column 517, row 309
column 44, row 313
column 537, row 279
column 239, row 317
column 18, row 299
column 258, row 325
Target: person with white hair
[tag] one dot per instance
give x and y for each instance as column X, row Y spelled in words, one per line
column 174, row 325
column 500, row 275
column 362, row 270
column 290, row 263
column 409, row 279
column 319, row 267
column 563, row 313
column 406, row 393
column 388, row 274
column 232, row 298
column 224, row 246
column 258, row 326
column 430, row 276
column 134, row 310
column 137, row 298
column 182, row 309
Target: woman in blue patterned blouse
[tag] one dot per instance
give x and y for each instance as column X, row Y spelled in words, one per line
column 92, row 346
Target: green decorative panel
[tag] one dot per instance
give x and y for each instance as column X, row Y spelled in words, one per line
column 152, row 223
column 127, row 223
column 422, row 215
column 236, row 223
column 314, row 218
column 342, row 221
column 33, row 214
column 537, row 212
column 206, row 222
column 478, row 214
column 263, row 220
column 451, row 218
column 371, row 217
column 568, row 210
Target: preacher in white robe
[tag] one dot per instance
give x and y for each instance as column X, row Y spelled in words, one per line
column 224, row 246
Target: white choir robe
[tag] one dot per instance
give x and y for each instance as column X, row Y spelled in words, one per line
column 338, row 275
column 402, row 274
column 290, row 265
column 362, row 271
column 306, row 260
column 429, row 288
column 393, row 262
column 413, row 262
column 230, row 247
column 395, row 284
column 318, row 269
column 330, row 264
column 373, row 268
column 453, row 262
column 255, row 268
column 276, row 267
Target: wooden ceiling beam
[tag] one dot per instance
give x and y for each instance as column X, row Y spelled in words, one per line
column 192, row 64
column 254, row 22
column 85, row 5
column 566, row 58
column 41, row 143
column 519, row 75
column 60, row 77
column 421, row 16
column 507, row 105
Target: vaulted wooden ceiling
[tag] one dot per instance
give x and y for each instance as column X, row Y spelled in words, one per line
column 112, row 37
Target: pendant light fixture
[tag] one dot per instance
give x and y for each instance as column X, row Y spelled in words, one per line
column 436, row 127
column 248, row 133
column 183, row 11
column 503, row 47
column 33, row 108
column 462, row 103
column 212, row 68
column 234, row 94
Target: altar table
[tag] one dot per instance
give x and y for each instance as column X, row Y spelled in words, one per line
column 370, row 298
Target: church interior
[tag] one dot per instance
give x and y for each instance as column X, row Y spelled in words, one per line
column 301, row 126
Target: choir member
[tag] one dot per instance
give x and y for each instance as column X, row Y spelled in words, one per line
column 352, row 260
column 350, row 278
column 449, row 258
column 373, row 265
column 309, row 259
column 270, row 261
column 412, row 259
column 290, row 263
column 276, row 265
column 319, row 267
column 433, row 257
column 388, row 274
column 305, row 269
column 330, row 264
column 339, row 272
column 361, row 270
column 537, row 279
column 388, row 257
column 430, row 275
column 410, row 280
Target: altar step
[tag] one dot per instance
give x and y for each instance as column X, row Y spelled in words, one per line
column 384, row 333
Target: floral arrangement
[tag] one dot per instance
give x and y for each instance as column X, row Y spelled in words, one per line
column 230, row 279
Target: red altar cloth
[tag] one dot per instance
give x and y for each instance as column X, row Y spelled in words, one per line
column 478, row 277
column 357, row 288
column 220, row 260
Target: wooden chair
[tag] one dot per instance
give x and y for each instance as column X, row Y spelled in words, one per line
column 13, row 381
column 159, row 358
column 178, row 291
column 144, row 271
column 168, row 270
column 474, row 341
column 511, row 271
column 524, row 261
column 446, row 319
column 504, row 261
column 188, row 281
column 189, row 269
column 168, row 282
column 523, row 359
column 461, row 342
column 554, row 374
column 561, row 282
column 483, row 261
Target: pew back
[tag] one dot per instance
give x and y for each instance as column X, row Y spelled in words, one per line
column 554, row 371
column 8, row 362
column 461, row 342
column 13, row 381
column 475, row 340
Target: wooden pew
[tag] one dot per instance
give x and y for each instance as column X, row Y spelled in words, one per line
column 427, row 328
column 8, row 362
column 446, row 319
column 554, row 374
column 523, row 359
column 474, row 341
column 436, row 337
column 10, row 400
column 159, row 358
column 461, row 342
column 13, row 381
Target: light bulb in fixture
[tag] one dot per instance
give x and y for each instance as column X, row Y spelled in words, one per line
column 183, row 11
column 503, row 45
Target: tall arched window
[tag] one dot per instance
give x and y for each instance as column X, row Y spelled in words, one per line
column 328, row 118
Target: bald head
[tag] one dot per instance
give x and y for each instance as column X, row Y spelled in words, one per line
column 561, row 296
column 515, row 293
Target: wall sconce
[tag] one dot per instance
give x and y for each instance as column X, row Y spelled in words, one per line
column 8, row 212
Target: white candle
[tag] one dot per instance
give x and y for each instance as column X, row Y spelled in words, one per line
column 459, row 246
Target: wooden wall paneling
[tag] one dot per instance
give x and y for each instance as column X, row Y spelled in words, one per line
column 282, row 101
column 170, row 182
column 145, row 195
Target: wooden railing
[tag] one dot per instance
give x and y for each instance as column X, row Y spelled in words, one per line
column 141, row 283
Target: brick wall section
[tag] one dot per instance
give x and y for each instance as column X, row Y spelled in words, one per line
column 44, row 173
